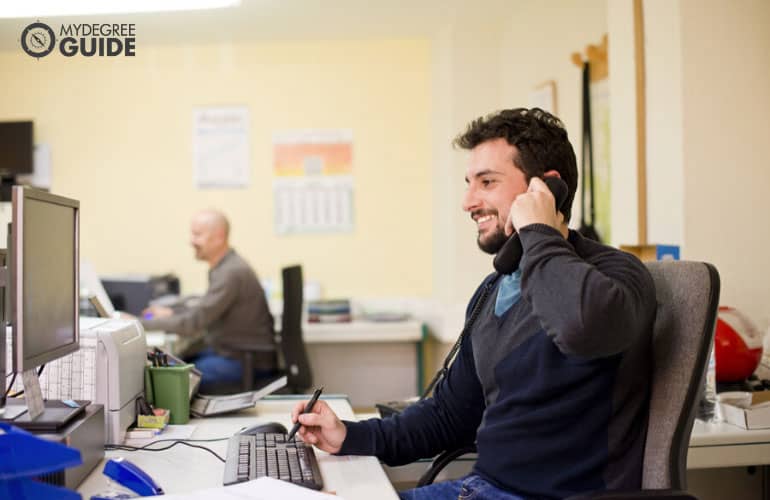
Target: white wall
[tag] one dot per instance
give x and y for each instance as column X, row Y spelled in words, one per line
column 623, row 197
column 466, row 85
column 663, row 95
column 726, row 105
column 663, row 68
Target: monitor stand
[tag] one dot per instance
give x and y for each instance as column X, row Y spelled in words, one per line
column 35, row 414
column 8, row 413
column 56, row 414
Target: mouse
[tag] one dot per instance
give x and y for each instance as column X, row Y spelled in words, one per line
column 269, row 427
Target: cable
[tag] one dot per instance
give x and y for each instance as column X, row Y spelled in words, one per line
column 174, row 442
column 16, row 395
column 8, row 389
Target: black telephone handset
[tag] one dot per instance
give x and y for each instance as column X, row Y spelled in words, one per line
column 507, row 259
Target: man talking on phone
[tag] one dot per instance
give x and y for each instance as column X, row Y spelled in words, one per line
column 552, row 381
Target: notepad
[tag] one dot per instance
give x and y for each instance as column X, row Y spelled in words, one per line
column 204, row 405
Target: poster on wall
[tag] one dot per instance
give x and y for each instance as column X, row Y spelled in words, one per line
column 221, row 147
column 313, row 184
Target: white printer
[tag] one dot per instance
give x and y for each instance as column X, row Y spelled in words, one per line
column 121, row 354
column 108, row 369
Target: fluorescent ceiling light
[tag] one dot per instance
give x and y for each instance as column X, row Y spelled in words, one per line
column 52, row 8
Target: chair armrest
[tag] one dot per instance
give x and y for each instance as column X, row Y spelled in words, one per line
column 638, row 494
column 442, row 461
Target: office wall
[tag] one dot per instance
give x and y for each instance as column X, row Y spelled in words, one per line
column 706, row 82
column 120, row 133
column 663, row 100
column 726, row 104
column 664, row 94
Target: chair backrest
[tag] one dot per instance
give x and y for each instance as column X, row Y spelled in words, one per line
column 688, row 299
column 295, row 357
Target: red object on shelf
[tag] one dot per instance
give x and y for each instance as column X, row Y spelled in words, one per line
column 737, row 345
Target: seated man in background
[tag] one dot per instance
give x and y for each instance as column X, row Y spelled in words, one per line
column 233, row 309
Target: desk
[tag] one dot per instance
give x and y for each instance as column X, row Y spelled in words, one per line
column 369, row 361
column 182, row 469
column 711, row 446
column 725, row 445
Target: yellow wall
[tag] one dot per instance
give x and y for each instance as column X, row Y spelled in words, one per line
column 120, row 134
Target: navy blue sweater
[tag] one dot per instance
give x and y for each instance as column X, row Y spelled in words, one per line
column 555, row 392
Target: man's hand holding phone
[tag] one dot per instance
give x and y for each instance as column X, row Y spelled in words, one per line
column 536, row 206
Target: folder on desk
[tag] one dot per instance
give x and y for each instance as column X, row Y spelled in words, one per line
column 204, row 405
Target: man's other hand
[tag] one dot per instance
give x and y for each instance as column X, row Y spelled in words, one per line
column 153, row 312
column 321, row 427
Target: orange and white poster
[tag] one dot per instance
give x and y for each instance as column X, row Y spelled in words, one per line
column 313, row 185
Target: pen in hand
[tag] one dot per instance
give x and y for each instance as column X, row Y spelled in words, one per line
column 308, row 409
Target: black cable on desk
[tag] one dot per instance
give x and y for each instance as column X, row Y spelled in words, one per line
column 10, row 385
column 174, row 442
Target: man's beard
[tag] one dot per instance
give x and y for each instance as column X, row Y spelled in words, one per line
column 494, row 242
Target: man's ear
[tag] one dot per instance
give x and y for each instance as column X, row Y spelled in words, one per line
column 552, row 173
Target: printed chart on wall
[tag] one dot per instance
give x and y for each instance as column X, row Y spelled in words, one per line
column 221, row 147
column 313, row 186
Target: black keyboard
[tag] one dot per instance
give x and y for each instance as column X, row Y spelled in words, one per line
column 267, row 454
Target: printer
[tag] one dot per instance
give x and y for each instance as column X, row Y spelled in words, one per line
column 120, row 355
column 108, row 369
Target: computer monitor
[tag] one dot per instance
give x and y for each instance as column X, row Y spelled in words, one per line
column 44, row 266
column 41, row 280
column 16, row 148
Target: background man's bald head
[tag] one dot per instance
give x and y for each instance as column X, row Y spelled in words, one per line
column 209, row 233
column 213, row 219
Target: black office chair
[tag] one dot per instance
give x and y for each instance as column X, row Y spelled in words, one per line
column 688, row 297
column 289, row 345
column 295, row 361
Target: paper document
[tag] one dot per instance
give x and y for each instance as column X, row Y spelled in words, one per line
column 204, row 405
column 264, row 488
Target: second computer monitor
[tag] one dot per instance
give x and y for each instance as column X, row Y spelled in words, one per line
column 44, row 257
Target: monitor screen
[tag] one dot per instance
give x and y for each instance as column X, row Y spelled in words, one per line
column 16, row 148
column 44, row 274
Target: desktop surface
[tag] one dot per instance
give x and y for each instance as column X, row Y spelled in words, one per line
column 182, row 469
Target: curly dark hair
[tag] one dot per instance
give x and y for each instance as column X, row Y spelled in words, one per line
column 539, row 137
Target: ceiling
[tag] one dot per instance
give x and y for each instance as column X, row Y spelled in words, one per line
column 276, row 20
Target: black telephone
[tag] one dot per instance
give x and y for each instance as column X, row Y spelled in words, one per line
column 507, row 259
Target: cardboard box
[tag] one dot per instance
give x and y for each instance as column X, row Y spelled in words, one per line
column 649, row 253
column 156, row 421
column 755, row 416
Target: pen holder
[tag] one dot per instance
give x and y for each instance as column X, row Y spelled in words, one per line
column 170, row 386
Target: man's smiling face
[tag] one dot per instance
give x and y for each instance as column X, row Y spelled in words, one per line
column 493, row 182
